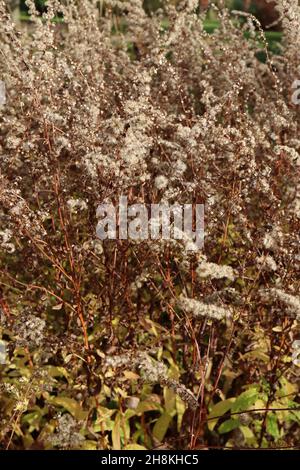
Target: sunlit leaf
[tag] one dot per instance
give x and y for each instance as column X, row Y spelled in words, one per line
column 147, row 405
column 115, row 435
column 69, row 404
column 180, row 408
column 245, row 400
column 88, row 445
column 161, row 426
column 170, row 400
column 229, row 425
column 134, row 447
column 272, row 425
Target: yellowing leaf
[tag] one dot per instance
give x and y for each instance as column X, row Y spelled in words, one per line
column 89, row 445
column 218, row 410
column 229, row 425
column 69, row 404
column 115, row 435
column 248, row 435
column 58, row 307
column 245, row 400
column 170, row 400
column 180, row 408
column 130, row 375
column 272, row 425
column 54, row 371
column 147, row 405
column 259, row 405
column 258, row 353
column 287, row 388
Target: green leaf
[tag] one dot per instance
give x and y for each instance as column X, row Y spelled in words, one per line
column 161, row 426
column 134, row 447
column 272, row 425
column 70, row 405
column 229, row 425
column 217, row 411
column 89, row 445
column 147, row 405
column 245, row 400
column 248, row 435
